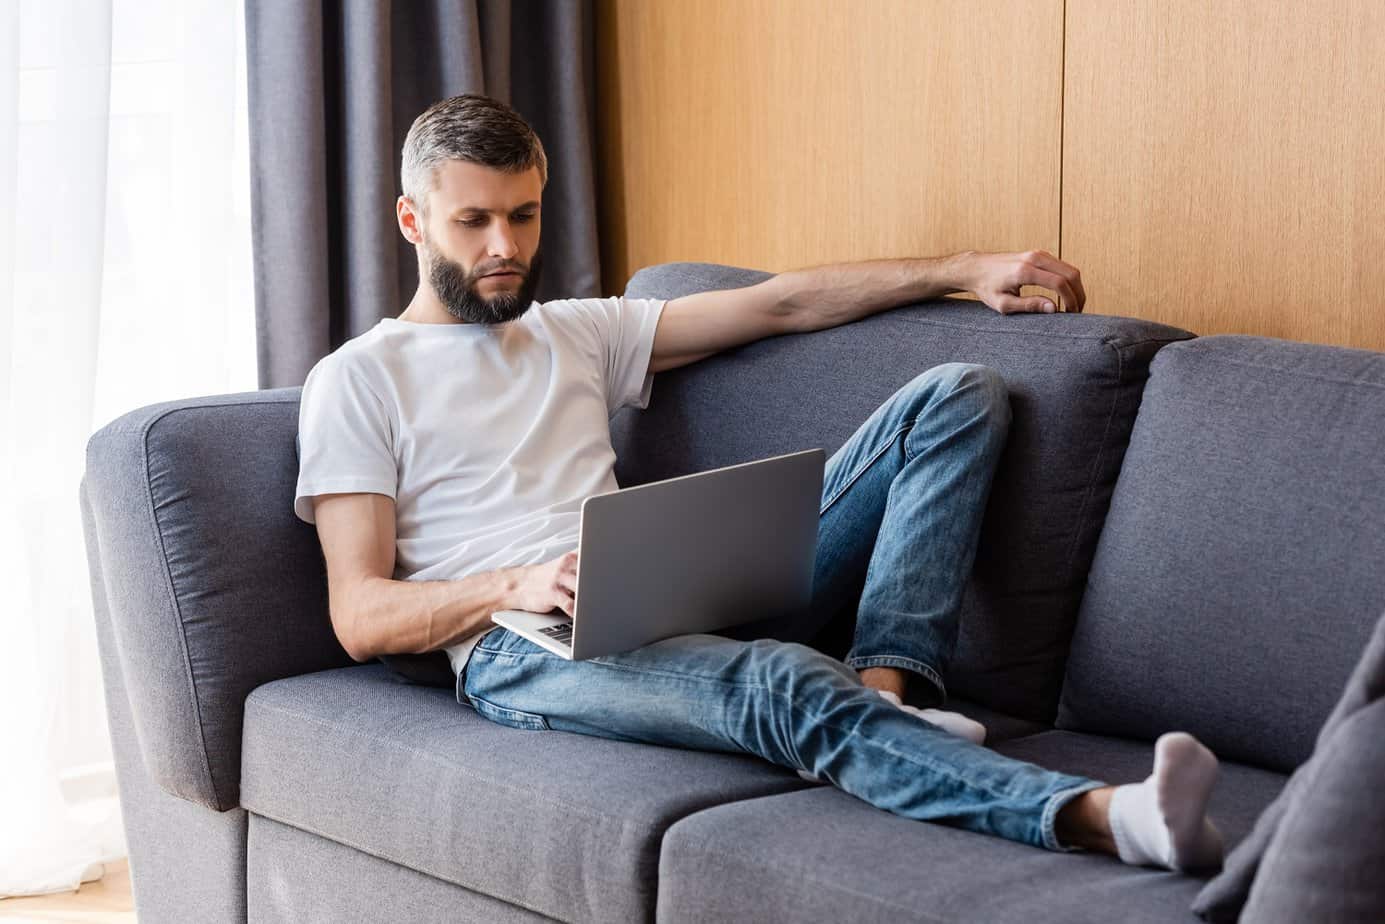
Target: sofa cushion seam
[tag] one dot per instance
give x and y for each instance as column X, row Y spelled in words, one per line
column 1100, row 456
column 701, row 850
column 1103, row 339
column 1212, row 357
column 381, row 855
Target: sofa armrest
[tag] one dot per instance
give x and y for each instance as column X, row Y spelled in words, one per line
column 212, row 585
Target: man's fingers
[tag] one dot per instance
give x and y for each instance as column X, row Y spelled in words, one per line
column 1042, row 277
column 1047, row 261
column 1013, row 304
column 1055, row 282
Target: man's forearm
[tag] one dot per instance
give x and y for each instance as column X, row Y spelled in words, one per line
column 827, row 296
column 412, row 617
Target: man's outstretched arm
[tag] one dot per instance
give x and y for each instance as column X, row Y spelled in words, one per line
column 696, row 326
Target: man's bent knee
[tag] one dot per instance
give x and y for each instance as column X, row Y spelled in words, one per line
column 986, row 385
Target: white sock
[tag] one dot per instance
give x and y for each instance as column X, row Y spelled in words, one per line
column 953, row 722
column 1163, row 821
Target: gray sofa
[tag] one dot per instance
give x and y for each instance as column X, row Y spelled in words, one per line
column 1183, row 533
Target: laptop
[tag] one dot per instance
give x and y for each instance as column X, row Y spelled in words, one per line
column 696, row 553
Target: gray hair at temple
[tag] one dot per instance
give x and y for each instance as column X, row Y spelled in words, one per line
column 472, row 128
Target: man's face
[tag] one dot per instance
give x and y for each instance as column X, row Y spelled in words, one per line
column 480, row 241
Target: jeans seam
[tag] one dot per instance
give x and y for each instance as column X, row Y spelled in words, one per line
column 532, row 721
column 874, row 456
column 677, row 675
column 909, row 429
column 936, row 768
column 899, row 661
column 687, row 675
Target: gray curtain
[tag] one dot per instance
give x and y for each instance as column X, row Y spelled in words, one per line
column 333, row 88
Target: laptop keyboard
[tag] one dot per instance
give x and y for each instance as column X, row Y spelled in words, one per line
column 562, row 632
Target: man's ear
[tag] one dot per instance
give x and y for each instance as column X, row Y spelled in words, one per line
column 409, row 219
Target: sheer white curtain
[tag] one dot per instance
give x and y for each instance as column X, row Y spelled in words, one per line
column 124, row 280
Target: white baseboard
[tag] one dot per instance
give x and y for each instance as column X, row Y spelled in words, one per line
column 87, row 782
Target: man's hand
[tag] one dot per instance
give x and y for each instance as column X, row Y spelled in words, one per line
column 996, row 278
column 546, row 586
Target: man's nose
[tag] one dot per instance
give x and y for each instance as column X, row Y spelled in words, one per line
column 502, row 241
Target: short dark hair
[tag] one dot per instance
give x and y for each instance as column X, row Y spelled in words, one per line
column 473, row 128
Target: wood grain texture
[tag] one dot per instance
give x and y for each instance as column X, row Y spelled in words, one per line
column 1224, row 165
column 785, row 133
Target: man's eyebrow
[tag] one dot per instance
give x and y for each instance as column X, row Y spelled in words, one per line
column 477, row 209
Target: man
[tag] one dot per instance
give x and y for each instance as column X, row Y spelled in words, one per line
column 446, row 452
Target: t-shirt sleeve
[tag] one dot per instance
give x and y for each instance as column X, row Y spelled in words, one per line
column 345, row 438
column 631, row 323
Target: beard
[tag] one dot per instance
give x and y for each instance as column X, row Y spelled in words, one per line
column 456, row 288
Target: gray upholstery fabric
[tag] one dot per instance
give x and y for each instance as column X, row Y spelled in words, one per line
column 182, row 856
column 213, row 585
column 999, row 726
column 1326, row 858
column 1239, row 573
column 563, row 824
column 1075, row 382
column 1325, row 862
column 300, row 878
column 822, row 855
column 333, row 90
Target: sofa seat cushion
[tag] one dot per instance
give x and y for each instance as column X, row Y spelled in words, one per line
column 825, row 855
column 562, row 824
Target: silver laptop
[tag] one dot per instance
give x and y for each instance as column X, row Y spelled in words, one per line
column 691, row 554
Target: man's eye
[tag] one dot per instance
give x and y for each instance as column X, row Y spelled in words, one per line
column 524, row 216
column 474, row 222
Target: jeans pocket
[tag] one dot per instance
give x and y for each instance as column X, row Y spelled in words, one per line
column 504, row 641
column 515, row 718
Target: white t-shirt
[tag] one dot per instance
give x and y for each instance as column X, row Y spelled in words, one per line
column 487, row 437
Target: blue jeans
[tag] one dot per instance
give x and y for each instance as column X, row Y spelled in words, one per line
column 901, row 513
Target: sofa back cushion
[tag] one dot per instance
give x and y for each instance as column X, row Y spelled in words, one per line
column 212, row 585
column 1243, row 560
column 1075, row 383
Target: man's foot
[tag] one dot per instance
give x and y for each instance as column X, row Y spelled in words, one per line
column 1163, row 821
column 952, row 722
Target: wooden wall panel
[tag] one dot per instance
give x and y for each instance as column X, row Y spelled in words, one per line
column 1224, row 165
column 799, row 132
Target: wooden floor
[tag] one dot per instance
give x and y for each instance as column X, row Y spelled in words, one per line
column 105, row 901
